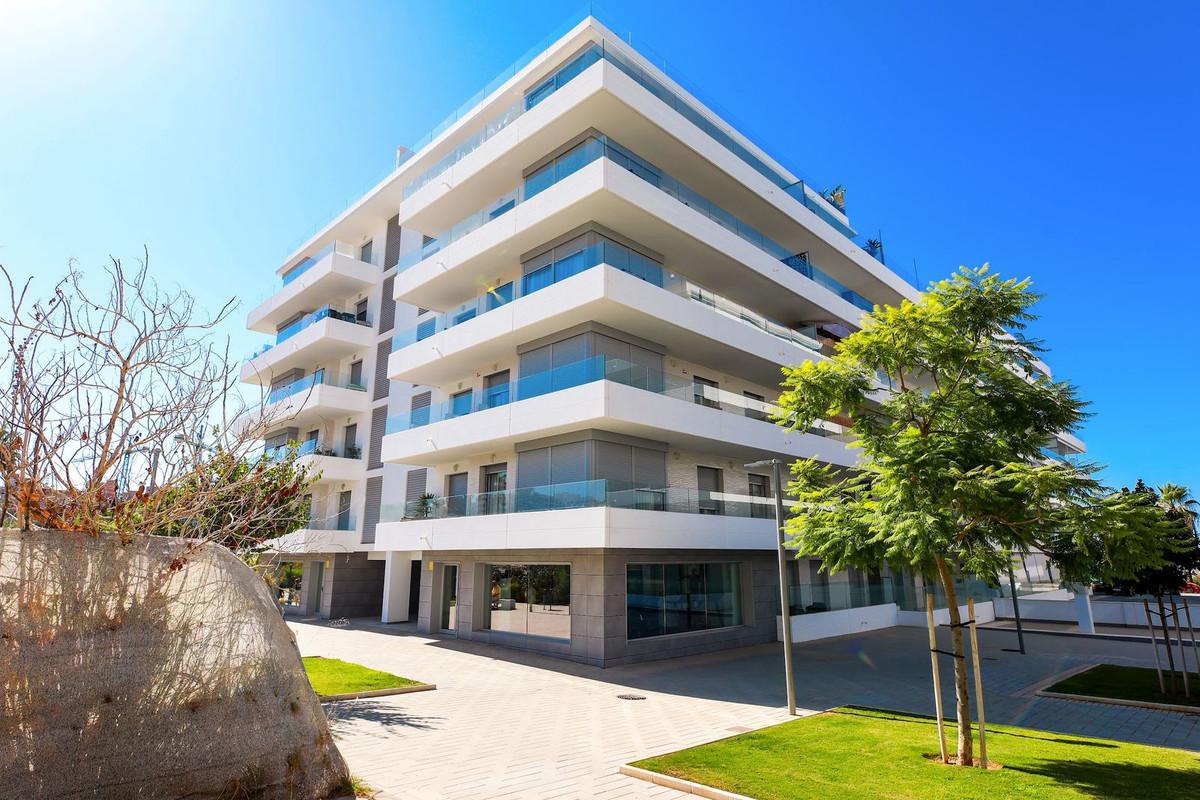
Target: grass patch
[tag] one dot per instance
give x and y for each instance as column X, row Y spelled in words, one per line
column 1129, row 683
column 864, row 753
column 330, row 676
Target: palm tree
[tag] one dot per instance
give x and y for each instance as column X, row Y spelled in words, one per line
column 1178, row 500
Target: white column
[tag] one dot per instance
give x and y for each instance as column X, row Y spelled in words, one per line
column 1083, row 608
column 397, row 574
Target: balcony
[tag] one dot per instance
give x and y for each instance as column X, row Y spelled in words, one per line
column 330, row 274
column 639, row 297
column 313, row 398
column 588, row 184
column 330, row 464
column 607, row 394
column 591, row 514
column 319, row 336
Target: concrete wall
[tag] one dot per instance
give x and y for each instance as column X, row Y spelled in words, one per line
column 1063, row 609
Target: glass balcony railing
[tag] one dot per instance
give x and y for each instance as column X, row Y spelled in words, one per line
column 311, row 447
column 618, row 257
column 344, row 521
column 593, row 148
column 341, row 248
column 603, row 50
column 583, row 494
column 817, row 592
column 593, row 369
column 306, row 383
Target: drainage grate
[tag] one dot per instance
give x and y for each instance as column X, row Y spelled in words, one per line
column 631, row 697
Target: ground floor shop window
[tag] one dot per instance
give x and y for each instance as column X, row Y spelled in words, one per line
column 676, row 598
column 529, row 599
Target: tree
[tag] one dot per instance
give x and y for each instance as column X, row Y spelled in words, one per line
column 951, row 413
column 105, row 374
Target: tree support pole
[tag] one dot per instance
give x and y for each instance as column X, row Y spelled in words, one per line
column 1012, row 585
column 978, row 684
column 1188, row 611
column 1154, row 644
column 1187, row 692
column 937, row 682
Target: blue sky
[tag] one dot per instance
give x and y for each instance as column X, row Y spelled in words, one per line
column 1057, row 140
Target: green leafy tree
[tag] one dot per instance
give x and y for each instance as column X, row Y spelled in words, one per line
column 951, row 413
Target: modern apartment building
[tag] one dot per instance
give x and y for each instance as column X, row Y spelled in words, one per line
column 533, row 362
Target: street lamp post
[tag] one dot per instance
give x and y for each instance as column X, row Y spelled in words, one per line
column 784, row 599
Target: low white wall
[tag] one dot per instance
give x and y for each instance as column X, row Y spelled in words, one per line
column 1062, row 609
column 984, row 612
column 823, row 625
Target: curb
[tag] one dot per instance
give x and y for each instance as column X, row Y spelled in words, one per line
column 333, row 698
column 679, row 784
column 1113, row 701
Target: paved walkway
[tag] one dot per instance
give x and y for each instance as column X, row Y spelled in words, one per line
column 509, row 724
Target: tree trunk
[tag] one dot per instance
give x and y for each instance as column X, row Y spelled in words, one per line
column 965, row 758
column 1162, row 617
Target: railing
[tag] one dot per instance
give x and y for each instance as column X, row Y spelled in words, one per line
column 594, row 148
column 583, row 494
column 335, row 522
column 817, row 592
column 308, row 319
column 605, row 51
column 593, row 369
column 618, row 257
column 307, row 263
column 306, row 383
column 311, row 447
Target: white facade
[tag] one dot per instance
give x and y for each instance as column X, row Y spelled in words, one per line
column 555, row 340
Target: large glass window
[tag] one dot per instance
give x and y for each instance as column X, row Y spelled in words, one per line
column 529, row 599
column 676, row 598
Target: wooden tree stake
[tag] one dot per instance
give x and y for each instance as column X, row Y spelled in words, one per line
column 1162, row 687
column 978, row 684
column 937, row 682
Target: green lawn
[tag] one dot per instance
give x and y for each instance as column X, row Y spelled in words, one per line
column 330, row 676
column 1129, row 683
column 864, row 753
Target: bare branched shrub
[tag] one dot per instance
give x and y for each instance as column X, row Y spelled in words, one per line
column 118, row 417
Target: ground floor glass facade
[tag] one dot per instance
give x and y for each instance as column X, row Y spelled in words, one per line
column 677, row 598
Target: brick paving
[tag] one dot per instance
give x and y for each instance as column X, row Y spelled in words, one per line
column 505, row 724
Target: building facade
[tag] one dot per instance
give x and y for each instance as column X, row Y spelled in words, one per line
column 532, row 364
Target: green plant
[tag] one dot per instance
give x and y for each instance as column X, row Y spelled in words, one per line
column 424, row 505
column 953, row 481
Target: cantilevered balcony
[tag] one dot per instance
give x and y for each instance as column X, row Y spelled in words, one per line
column 313, row 398
column 596, row 513
column 326, row 276
column 328, row 463
column 319, row 336
column 598, row 181
column 607, row 394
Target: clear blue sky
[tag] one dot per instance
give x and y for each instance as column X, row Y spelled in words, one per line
column 1057, row 140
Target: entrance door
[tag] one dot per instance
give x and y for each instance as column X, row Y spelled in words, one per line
column 449, row 598
column 495, row 488
column 318, row 589
column 414, row 591
column 456, row 495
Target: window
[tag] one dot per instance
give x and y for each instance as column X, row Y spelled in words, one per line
column 426, row 329
column 760, row 487
column 499, row 296
column 710, row 494
column 461, row 403
column 360, row 311
column 662, row 599
column 496, row 390
column 364, row 252
column 705, row 391
column 456, row 495
column 529, row 600
column 356, row 378
column 755, row 408
column 350, row 442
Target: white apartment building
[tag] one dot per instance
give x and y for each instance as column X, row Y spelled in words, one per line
column 532, row 363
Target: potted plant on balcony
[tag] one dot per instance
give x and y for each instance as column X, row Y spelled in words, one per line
column 423, row 508
column 353, row 451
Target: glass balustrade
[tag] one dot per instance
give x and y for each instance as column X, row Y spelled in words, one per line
column 593, row 148
column 341, row 248
column 618, row 257
column 582, row 494
column 311, row 447
column 593, row 369
column 306, row 383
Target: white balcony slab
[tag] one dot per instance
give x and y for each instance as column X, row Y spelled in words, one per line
column 688, row 329
column 333, row 469
column 310, row 541
column 610, row 195
column 309, row 405
column 604, row 98
column 323, row 340
column 597, row 527
column 329, row 280
column 609, row 406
